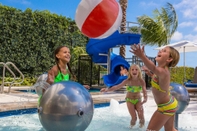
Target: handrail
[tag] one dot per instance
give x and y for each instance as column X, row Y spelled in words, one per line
column 3, row 82
column 128, row 27
column 2, row 85
column 5, row 66
column 10, row 63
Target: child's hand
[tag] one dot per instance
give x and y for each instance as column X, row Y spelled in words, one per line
column 137, row 50
column 87, row 86
column 144, row 68
column 103, row 90
column 144, row 101
column 147, row 71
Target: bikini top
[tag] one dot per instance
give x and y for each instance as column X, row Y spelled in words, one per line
column 155, row 83
column 61, row 77
column 134, row 89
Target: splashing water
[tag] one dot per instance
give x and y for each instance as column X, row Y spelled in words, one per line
column 115, row 117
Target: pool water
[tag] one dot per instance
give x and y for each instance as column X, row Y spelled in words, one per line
column 106, row 118
column 33, row 91
column 94, row 90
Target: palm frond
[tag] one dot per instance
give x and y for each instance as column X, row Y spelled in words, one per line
column 159, row 29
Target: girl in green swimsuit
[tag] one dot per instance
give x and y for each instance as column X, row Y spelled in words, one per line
column 166, row 103
column 62, row 70
column 134, row 86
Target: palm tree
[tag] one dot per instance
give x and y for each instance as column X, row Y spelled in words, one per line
column 159, row 29
column 123, row 4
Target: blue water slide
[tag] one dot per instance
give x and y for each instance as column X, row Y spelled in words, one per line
column 101, row 46
column 114, row 77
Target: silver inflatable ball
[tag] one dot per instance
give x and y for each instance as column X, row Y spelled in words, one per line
column 41, row 84
column 66, row 106
column 42, row 77
column 182, row 96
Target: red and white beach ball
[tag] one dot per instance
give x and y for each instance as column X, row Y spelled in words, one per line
column 98, row 18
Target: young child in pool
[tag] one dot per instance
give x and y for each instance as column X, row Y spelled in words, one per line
column 166, row 103
column 135, row 84
column 123, row 71
column 62, row 70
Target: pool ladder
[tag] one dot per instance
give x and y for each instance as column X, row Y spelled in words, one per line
column 6, row 66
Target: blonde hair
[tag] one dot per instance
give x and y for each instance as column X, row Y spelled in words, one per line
column 139, row 71
column 174, row 54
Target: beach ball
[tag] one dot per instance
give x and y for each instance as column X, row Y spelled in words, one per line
column 66, row 106
column 98, row 18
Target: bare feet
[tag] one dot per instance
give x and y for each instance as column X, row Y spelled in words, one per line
column 142, row 123
column 103, row 90
column 132, row 123
column 87, row 86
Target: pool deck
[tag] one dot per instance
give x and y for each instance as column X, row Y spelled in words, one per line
column 25, row 100
column 17, row 99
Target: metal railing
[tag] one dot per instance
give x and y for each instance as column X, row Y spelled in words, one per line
column 129, row 26
column 128, row 29
column 6, row 66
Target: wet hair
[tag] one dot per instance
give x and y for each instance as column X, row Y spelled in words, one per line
column 139, row 71
column 57, row 60
column 174, row 54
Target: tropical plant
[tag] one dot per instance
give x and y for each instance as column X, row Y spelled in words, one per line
column 159, row 29
column 29, row 38
column 76, row 52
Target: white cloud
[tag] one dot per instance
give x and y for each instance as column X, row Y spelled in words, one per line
column 24, row 2
column 191, row 37
column 195, row 29
column 189, row 13
column 148, row 4
column 188, row 8
column 177, row 36
column 186, row 24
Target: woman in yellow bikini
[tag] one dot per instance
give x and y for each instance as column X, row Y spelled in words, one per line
column 166, row 103
column 134, row 86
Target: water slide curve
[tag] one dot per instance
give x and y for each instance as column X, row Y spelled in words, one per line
column 101, row 46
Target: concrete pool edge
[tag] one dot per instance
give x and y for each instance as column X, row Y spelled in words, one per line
column 17, row 100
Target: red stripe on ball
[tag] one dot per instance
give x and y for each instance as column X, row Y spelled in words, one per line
column 101, row 18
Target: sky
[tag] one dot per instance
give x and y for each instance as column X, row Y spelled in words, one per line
column 185, row 9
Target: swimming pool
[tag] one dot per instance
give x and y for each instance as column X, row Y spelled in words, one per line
column 33, row 91
column 113, row 116
column 94, row 90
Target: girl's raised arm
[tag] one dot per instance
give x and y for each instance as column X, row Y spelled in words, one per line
column 116, row 87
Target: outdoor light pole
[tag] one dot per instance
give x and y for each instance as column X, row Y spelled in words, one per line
column 184, row 63
column 109, row 61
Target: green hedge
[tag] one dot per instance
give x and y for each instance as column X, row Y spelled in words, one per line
column 29, row 38
column 28, row 81
column 177, row 74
